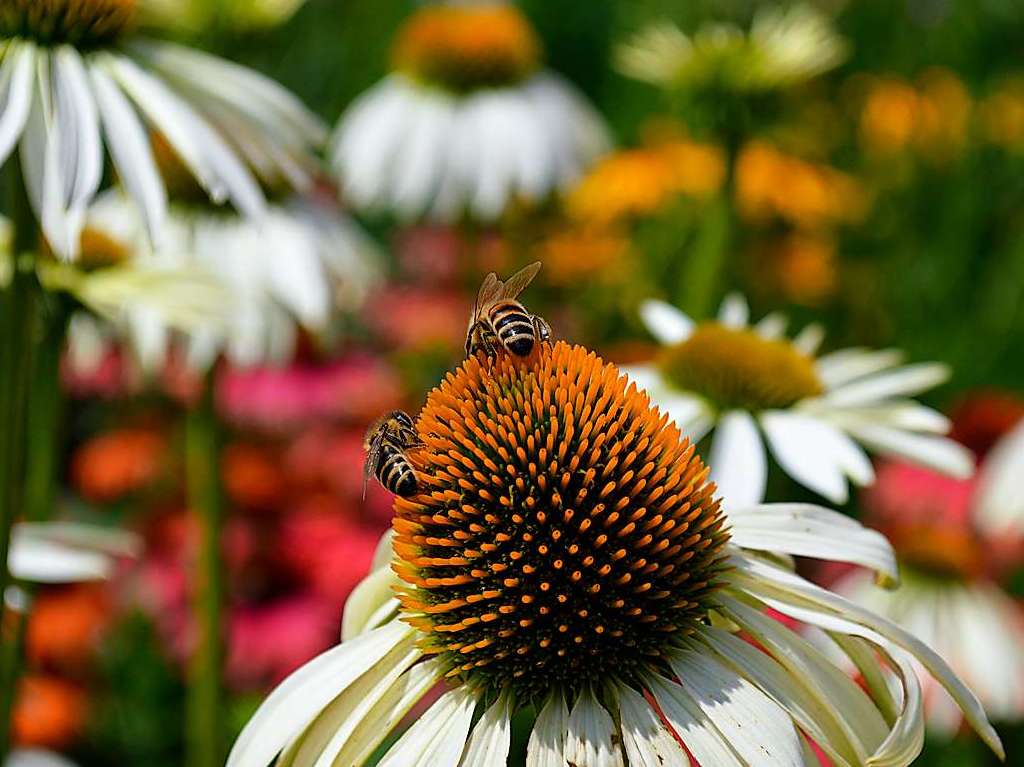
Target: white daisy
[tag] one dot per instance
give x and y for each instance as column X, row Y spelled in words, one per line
column 74, row 78
column 784, row 47
column 751, row 384
column 565, row 559
column 466, row 122
column 952, row 604
column 289, row 269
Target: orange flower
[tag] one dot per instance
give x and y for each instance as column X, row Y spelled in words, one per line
column 804, row 268
column 252, row 476
column 1002, row 114
column 110, row 466
column 49, row 712
column 888, row 116
column 65, row 625
column 770, row 183
column 589, row 252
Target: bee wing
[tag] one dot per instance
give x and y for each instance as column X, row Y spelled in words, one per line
column 490, row 289
column 372, row 455
column 517, row 282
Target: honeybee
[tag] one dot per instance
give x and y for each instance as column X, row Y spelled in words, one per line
column 498, row 319
column 387, row 439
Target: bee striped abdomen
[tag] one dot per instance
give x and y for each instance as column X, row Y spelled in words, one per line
column 514, row 327
column 395, row 472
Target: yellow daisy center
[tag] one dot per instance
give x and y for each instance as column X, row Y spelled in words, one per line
column 465, row 47
column 565, row 533
column 81, row 23
column 738, row 369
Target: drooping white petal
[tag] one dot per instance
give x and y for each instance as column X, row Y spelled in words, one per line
column 814, row 717
column 738, row 463
column 665, row 322
column 999, row 505
column 130, row 150
column 812, row 531
column 42, row 561
column 320, row 743
column 756, row 727
column 303, row 695
column 438, row 738
column 734, row 312
column 547, row 739
column 592, row 736
column 418, row 162
column 388, row 712
column 938, row 453
column 373, row 598
column 792, row 595
column 691, row 724
column 897, row 414
column 904, row 381
column 644, row 738
column 815, row 453
column 16, row 79
column 491, row 737
column 847, row 365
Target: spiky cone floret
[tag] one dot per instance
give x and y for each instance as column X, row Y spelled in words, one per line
column 678, row 681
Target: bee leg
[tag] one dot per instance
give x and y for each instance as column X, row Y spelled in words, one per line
column 541, row 329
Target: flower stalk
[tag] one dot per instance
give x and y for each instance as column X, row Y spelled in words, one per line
column 205, row 741
column 19, row 311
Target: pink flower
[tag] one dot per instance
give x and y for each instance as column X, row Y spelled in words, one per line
column 266, row 642
column 355, row 388
column 329, row 553
column 416, row 319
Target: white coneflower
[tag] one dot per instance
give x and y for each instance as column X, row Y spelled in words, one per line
column 289, row 269
column 75, row 78
column 63, row 552
column 566, row 559
column 946, row 537
column 466, row 122
column 750, row 385
column 783, row 47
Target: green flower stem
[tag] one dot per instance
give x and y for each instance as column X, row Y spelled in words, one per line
column 19, row 315
column 206, row 735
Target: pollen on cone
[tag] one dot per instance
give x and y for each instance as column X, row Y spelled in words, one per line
column 566, row 531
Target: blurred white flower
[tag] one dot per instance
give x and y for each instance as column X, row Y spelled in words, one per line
column 784, row 47
column 466, row 123
column 291, row 267
column 751, row 385
column 65, row 552
column 36, row 757
column 961, row 612
column 75, row 79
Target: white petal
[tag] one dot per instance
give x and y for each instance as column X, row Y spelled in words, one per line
column 491, row 738
column 792, row 595
column 374, row 595
column 772, row 326
column 691, row 724
column 592, row 738
column 16, row 78
column 81, row 151
column 437, row 738
column 812, row 531
column 809, row 339
column 36, row 757
column 130, row 150
column 644, row 738
column 846, row 365
column 815, row 453
column 904, row 381
column 937, row 453
column 738, row 463
column 46, row 562
column 666, row 323
column 999, row 508
column 304, row 694
column 547, row 740
column 332, row 730
column 755, row 726
column 418, row 162
column 734, row 312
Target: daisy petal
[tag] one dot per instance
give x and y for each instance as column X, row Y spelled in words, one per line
column 491, row 738
column 757, row 728
column 846, row 365
column 999, row 507
column 665, row 322
column 809, row 339
column 734, row 312
column 692, row 725
column 15, row 93
column 937, row 453
column 592, row 737
column 908, row 380
column 812, row 531
column 368, row 599
column 815, row 453
column 300, row 697
column 437, row 738
column 738, row 463
column 547, row 740
column 772, row 326
column 644, row 738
